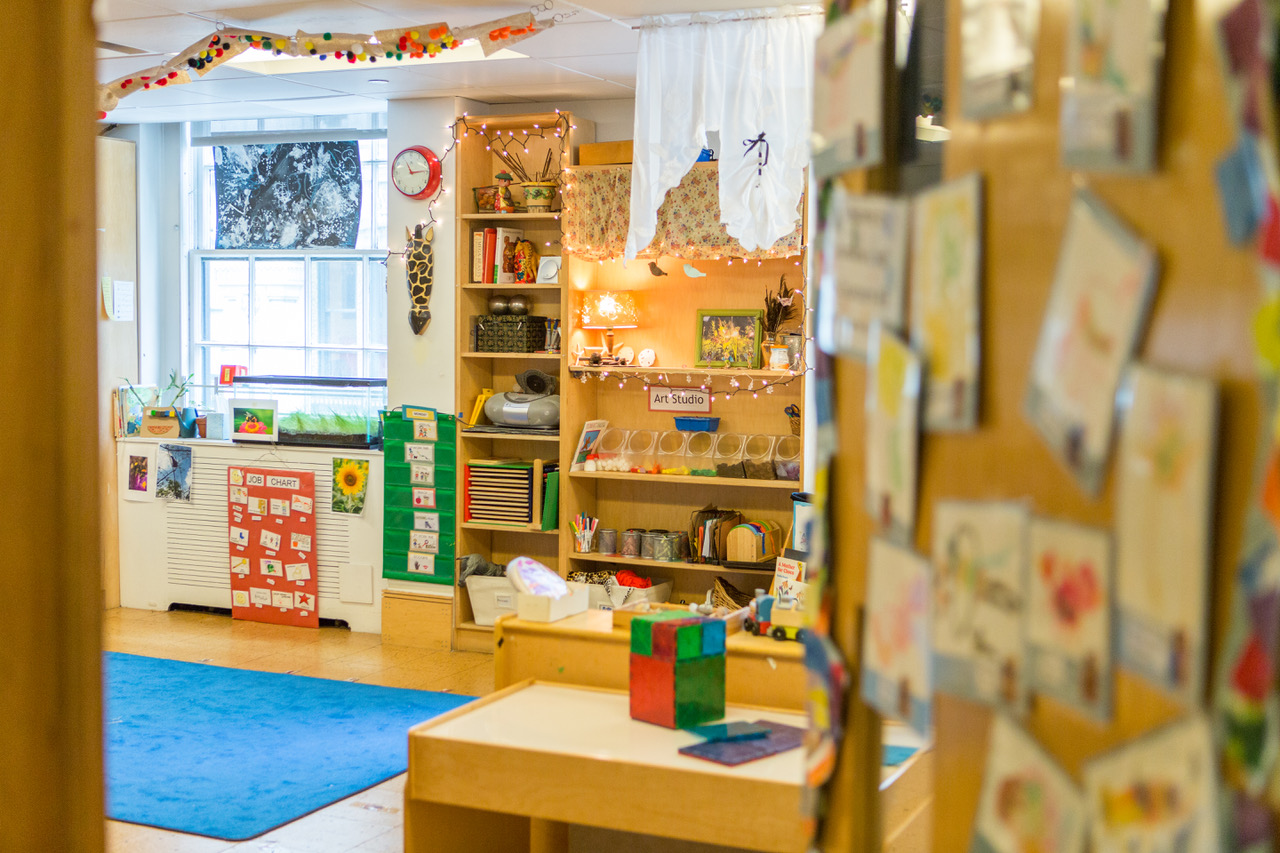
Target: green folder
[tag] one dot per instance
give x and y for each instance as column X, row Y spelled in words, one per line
column 551, row 502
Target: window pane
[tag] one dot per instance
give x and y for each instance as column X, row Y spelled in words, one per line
column 375, row 334
column 224, row 314
column 375, row 364
column 278, row 299
column 278, row 361
column 335, row 302
column 209, row 361
column 331, row 362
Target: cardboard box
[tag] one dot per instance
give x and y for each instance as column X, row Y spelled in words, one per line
column 541, row 608
column 604, row 153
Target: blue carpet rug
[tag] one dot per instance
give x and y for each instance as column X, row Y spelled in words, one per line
column 232, row 753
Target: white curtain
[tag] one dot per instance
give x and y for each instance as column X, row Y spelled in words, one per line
column 742, row 74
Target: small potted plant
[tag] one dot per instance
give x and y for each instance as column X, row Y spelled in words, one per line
column 780, row 309
column 187, row 415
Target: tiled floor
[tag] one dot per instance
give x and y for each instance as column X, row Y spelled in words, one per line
column 371, row 821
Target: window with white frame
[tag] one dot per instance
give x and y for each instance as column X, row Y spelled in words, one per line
column 316, row 311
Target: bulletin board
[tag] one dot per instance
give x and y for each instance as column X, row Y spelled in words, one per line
column 1200, row 323
column 271, row 526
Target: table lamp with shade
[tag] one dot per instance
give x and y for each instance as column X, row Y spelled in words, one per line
column 609, row 310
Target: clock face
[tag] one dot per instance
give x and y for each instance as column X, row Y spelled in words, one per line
column 412, row 173
column 647, row 358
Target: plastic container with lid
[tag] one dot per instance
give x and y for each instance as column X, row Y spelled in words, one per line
column 699, row 454
column 786, row 457
column 611, row 450
column 671, row 452
column 642, row 451
column 757, row 457
column 728, row 456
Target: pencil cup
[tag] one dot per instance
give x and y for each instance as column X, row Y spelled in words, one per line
column 582, row 541
column 607, row 542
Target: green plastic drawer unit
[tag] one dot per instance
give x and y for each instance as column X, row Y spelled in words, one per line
column 423, row 541
column 424, row 568
column 420, row 462
column 402, row 497
column 404, row 520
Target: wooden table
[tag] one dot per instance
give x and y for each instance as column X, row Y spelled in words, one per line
column 511, row 771
column 588, row 649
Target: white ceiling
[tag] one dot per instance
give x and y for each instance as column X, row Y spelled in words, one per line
column 590, row 55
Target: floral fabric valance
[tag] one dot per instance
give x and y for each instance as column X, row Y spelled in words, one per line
column 597, row 204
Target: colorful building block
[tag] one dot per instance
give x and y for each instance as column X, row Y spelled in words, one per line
column 677, row 669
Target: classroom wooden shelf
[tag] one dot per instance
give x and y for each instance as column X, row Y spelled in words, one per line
column 674, row 374
column 477, row 371
column 685, row 479
column 640, row 562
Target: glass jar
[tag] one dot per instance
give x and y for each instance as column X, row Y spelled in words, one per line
column 728, row 456
column 611, row 450
column 786, row 457
column 671, row 452
column 757, row 457
column 699, row 454
column 642, row 451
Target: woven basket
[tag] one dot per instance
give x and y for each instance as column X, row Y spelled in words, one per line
column 795, row 424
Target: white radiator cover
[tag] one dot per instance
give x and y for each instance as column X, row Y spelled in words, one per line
column 178, row 552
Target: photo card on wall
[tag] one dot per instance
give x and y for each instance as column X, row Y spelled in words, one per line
column 893, row 434
column 946, row 289
column 896, row 666
column 1164, row 525
column 979, row 601
column 1028, row 802
column 1102, row 287
column 848, row 91
column 997, row 56
column 1069, row 609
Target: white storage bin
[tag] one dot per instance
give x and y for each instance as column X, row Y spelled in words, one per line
column 600, row 598
column 490, row 598
column 543, row 608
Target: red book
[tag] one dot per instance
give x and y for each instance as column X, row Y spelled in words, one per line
column 490, row 249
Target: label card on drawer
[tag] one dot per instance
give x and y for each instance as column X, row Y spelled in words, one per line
column 426, row 521
column 419, row 452
column 422, row 564
column 422, row 474
column 428, row 543
column 424, row 498
column 425, row 430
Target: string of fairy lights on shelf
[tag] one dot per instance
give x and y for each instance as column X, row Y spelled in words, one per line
column 665, row 380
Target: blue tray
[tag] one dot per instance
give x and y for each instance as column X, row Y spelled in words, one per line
column 689, row 424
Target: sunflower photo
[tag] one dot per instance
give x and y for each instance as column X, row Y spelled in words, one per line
column 350, row 485
column 729, row 338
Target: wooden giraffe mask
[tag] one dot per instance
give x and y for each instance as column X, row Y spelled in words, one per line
column 419, row 269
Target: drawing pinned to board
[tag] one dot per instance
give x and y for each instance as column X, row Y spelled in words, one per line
column 350, row 485
column 1158, row 794
column 173, row 472
column 979, row 601
column 1111, row 85
column 848, row 91
column 140, row 476
column 1164, row 514
column 997, row 56
column 893, row 434
column 1069, row 614
column 946, row 237
column 1028, row 803
column 896, row 667
column 1101, row 289
column 864, row 262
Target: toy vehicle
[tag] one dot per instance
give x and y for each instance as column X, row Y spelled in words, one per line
column 780, row 617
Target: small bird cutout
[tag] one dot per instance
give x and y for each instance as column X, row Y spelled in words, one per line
column 693, row 272
column 655, row 269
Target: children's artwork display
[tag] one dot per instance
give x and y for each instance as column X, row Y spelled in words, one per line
column 1164, row 514
column 896, row 666
column 979, row 601
column 864, row 259
column 1111, row 85
column 893, row 434
column 140, row 476
column 1157, row 794
column 272, row 545
column 351, row 484
column 848, row 92
column 1069, row 588
column 1028, row 803
column 946, row 236
column 997, row 56
column 173, row 472
column 1102, row 286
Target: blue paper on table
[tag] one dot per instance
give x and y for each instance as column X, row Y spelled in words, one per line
column 1242, row 187
column 731, row 731
column 734, row 752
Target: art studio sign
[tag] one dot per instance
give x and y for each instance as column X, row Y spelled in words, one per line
column 679, row 399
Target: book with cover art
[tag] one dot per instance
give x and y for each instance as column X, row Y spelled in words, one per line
column 490, row 243
column 504, row 260
column 591, row 431
column 477, row 256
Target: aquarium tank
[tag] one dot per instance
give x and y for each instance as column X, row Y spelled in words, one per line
column 321, row 411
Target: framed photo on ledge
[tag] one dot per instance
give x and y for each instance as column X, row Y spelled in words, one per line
column 728, row 338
